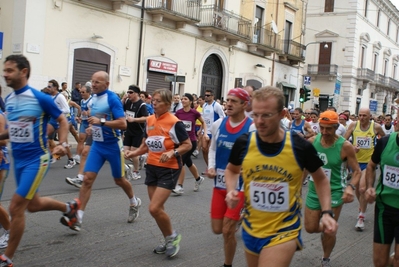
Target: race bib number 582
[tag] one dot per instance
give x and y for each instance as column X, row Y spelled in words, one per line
column 269, row 197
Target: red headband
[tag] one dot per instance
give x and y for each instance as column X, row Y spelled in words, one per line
column 240, row 93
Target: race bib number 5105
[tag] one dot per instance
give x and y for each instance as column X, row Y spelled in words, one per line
column 269, row 197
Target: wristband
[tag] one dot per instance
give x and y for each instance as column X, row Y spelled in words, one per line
column 351, row 185
column 329, row 212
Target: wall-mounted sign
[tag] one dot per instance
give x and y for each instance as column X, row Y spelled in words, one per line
column 33, row 48
column 160, row 66
column 125, row 71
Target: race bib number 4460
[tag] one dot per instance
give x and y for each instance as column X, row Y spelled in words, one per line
column 269, row 197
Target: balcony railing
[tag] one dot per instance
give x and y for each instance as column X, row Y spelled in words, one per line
column 393, row 83
column 189, row 9
column 215, row 17
column 291, row 48
column 267, row 38
column 329, row 70
column 365, row 74
column 381, row 80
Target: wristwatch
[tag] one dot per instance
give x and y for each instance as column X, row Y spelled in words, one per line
column 351, row 185
column 102, row 120
column 176, row 153
column 330, row 212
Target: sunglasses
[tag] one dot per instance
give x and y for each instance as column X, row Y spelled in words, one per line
column 130, row 92
column 207, row 95
column 49, row 86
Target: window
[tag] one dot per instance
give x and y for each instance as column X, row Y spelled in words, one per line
column 329, row 6
column 394, row 70
column 375, row 59
column 287, row 36
column 258, row 24
column 389, row 24
column 366, row 6
column 362, row 56
column 397, row 34
column 384, row 71
column 378, row 18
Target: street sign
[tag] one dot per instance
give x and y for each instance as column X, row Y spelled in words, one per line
column 373, row 105
column 306, row 80
column 316, row 92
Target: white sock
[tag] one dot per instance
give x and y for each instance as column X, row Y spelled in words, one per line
column 174, row 234
column 80, row 215
column 133, row 201
column 80, row 176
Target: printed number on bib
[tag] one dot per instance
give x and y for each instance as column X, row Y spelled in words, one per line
column 97, row 133
column 363, row 142
column 155, row 143
column 391, row 176
column 187, row 125
column 130, row 114
column 269, row 197
column 220, row 181
column 21, row 132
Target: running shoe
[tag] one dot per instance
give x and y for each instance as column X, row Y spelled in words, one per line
column 70, row 219
column 360, row 223
column 75, row 181
column 136, row 176
column 160, row 249
column 172, row 245
column 4, row 262
column 71, row 163
column 178, row 190
column 134, row 211
column 325, row 262
column 4, row 239
column 198, row 183
column 77, row 159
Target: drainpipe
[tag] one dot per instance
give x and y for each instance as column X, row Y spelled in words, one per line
column 141, row 42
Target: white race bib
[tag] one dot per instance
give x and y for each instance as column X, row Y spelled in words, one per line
column 187, row 125
column 391, row 177
column 20, row 132
column 97, row 133
column 269, row 197
column 155, row 143
column 130, row 114
column 363, row 142
column 220, row 181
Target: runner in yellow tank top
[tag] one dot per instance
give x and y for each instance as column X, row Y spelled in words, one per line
column 363, row 134
column 271, row 186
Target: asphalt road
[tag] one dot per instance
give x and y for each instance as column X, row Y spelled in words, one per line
column 107, row 239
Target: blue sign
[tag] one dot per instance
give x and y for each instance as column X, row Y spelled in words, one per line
column 306, row 80
column 337, row 89
column 373, row 105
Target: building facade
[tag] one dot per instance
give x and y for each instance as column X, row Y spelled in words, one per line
column 183, row 45
column 352, row 54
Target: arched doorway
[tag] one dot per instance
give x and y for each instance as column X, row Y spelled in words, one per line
column 86, row 62
column 212, row 75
